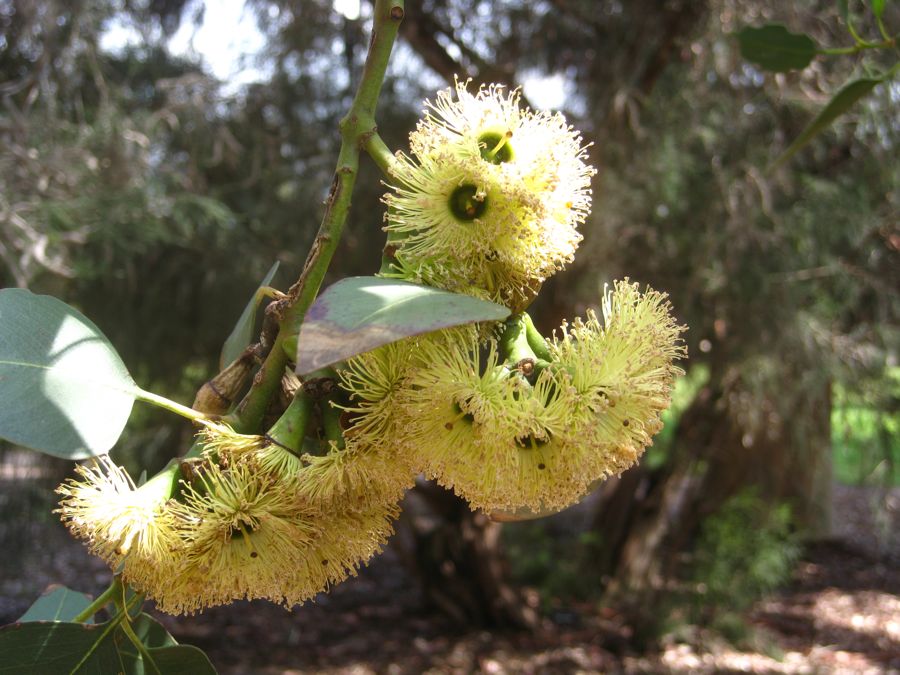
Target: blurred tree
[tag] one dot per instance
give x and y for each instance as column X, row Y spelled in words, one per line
column 787, row 281
column 133, row 187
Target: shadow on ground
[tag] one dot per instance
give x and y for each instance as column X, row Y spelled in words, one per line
column 840, row 613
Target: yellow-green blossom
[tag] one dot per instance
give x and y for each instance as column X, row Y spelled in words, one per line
column 372, row 381
column 357, row 476
column 491, row 198
column 623, row 369
column 539, row 147
column 504, row 443
column 488, row 434
column 125, row 525
column 361, row 474
column 373, row 466
column 464, row 226
column 245, row 535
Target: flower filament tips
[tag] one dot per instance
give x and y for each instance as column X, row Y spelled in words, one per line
column 460, row 415
column 530, row 442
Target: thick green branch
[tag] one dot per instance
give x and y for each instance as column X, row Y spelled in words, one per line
column 357, row 131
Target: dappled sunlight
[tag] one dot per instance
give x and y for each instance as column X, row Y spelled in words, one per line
column 439, row 468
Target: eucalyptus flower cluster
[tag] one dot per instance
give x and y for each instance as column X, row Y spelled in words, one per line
column 490, row 198
column 514, row 422
column 240, row 524
column 487, row 203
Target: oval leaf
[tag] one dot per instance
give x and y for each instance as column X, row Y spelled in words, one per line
column 44, row 648
column 151, row 632
column 775, row 48
column 878, row 7
column 168, row 656
column 65, row 391
column 842, row 101
column 358, row 314
column 180, row 660
column 58, row 603
column 53, row 647
column 242, row 334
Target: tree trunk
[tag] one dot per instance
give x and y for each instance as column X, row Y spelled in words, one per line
column 648, row 519
column 458, row 558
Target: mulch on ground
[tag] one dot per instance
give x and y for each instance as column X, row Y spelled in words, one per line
column 841, row 613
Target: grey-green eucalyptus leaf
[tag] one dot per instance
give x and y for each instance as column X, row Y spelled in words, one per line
column 64, row 389
column 58, row 603
column 242, row 334
column 774, row 48
column 358, row 314
column 51, row 648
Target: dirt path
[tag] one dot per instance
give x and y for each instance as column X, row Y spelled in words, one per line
column 841, row 613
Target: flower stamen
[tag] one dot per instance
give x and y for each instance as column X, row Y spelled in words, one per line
column 501, row 152
column 467, row 203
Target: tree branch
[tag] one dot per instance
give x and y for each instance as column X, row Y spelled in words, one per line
column 421, row 33
column 356, row 128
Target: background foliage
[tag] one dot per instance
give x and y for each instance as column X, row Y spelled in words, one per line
column 140, row 190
